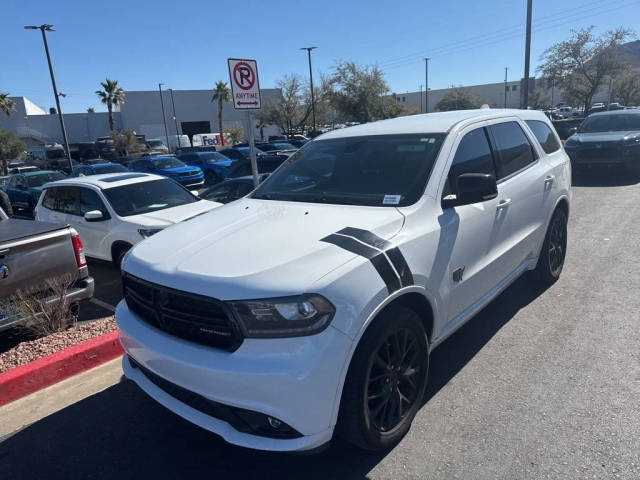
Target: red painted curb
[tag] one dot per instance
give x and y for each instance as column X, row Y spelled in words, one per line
column 33, row 376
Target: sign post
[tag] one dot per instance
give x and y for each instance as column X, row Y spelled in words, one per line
column 245, row 90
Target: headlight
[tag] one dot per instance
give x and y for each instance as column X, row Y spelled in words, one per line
column 284, row 316
column 147, row 232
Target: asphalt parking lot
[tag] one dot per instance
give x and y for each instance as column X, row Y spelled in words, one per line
column 541, row 384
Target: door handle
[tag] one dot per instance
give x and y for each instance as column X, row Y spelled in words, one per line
column 503, row 204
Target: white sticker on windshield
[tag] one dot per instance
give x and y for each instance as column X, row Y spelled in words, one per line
column 391, row 199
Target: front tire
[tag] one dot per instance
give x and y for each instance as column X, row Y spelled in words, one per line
column 386, row 381
column 117, row 254
column 210, row 178
column 554, row 249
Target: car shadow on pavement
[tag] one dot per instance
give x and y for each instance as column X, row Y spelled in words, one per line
column 604, row 177
column 122, row 433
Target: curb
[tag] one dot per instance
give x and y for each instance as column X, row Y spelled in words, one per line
column 33, row 376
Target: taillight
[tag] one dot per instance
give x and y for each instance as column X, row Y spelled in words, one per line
column 78, row 250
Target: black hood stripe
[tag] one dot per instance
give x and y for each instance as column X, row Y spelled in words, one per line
column 377, row 258
column 394, row 253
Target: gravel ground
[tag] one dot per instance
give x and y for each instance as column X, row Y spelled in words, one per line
column 30, row 350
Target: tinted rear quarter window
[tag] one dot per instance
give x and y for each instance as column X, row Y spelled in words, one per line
column 514, row 150
column 548, row 140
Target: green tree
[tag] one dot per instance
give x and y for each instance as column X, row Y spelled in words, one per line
column 359, row 93
column 6, row 104
column 11, row 148
column 221, row 94
column 111, row 94
column 91, row 110
column 125, row 142
column 52, row 111
column 582, row 63
column 458, row 98
column 538, row 99
column 236, row 132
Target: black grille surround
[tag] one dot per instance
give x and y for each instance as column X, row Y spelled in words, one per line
column 197, row 318
column 245, row 421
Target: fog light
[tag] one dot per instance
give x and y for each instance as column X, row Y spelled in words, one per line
column 274, row 422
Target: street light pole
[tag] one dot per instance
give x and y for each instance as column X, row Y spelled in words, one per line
column 313, row 101
column 175, row 120
column 43, row 29
column 527, row 56
column 420, row 98
column 164, row 118
column 426, row 85
column 505, row 86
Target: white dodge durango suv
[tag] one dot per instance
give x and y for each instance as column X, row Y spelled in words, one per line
column 311, row 306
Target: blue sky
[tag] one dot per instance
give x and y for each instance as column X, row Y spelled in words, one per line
column 185, row 44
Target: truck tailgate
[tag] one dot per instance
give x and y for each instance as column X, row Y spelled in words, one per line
column 41, row 252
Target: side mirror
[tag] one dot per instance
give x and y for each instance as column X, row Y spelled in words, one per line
column 93, row 216
column 472, row 188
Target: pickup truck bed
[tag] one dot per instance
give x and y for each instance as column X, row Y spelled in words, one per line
column 32, row 252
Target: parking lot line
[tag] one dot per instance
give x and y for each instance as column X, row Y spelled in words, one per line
column 102, row 304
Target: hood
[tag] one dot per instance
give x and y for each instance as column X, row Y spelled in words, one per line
column 255, row 248
column 602, row 136
column 177, row 170
column 171, row 216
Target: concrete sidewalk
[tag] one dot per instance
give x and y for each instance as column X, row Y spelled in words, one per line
column 27, row 410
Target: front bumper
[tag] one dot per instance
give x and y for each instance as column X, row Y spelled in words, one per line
column 82, row 289
column 190, row 181
column 295, row 380
column 606, row 154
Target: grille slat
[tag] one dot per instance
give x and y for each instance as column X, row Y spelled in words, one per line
column 193, row 317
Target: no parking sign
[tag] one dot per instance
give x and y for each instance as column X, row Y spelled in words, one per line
column 245, row 87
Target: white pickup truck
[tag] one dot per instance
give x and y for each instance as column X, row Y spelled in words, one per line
column 311, row 306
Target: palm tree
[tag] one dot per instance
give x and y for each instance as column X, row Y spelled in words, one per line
column 222, row 94
column 6, row 104
column 111, row 94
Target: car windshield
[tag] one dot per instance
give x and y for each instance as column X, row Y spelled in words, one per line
column 244, row 151
column 213, row 157
column 109, row 169
column 383, row 170
column 144, row 197
column 156, row 143
column 56, row 153
column 284, row 146
column 610, row 123
column 168, row 162
column 40, row 179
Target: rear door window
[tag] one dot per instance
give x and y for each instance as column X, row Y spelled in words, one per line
column 67, row 200
column 548, row 140
column 89, row 201
column 49, row 200
column 514, row 151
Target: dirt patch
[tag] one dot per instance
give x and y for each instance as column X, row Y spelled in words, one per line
column 30, row 350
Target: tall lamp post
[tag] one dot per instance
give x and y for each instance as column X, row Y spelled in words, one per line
column 505, row 86
column 426, row 85
column 313, row 101
column 164, row 118
column 527, row 57
column 175, row 119
column 43, row 29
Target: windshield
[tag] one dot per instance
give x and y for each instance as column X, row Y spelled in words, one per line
column 144, row 197
column 213, row 157
column 156, row 143
column 42, row 178
column 169, row 162
column 244, row 151
column 610, row 123
column 384, row 170
column 109, row 169
column 56, row 153
column 284, row 146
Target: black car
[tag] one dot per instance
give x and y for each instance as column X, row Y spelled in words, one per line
column 567, row 126
column 266, row 164
column 297, row 142
column 606, row 138
column 231, row 190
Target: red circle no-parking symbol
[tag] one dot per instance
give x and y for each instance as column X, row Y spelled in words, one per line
column 244, row 76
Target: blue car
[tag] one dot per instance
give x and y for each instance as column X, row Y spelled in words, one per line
column 169, row 166
column 24, row 189
column 214, row 165
column 97, row 169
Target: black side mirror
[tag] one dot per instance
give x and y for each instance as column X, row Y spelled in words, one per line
column 472, row 188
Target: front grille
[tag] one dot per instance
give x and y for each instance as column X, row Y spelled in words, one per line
column 186, row 315
column 188, row 174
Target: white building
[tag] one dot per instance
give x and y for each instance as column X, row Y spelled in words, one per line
column 141, row 112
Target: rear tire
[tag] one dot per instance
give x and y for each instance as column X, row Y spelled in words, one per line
column 117, row 253
column 210, row 177
column 386, row 381
column 554, row 249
